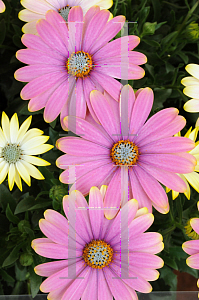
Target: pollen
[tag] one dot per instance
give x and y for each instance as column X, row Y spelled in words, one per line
column 79, row 64
column 124, row 153
column 64, row 12
column 98, row 254
column 11, row 153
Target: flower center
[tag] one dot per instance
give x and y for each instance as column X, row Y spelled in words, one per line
column 98, row 254
column 79, row 64
column 11, row 153
column 190, row 232
column 124, row 153
column 64, row 12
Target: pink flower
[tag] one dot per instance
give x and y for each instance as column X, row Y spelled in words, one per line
column 67, row 63
column 125, row 152
column 192, row 247
column 98, row 258
column 2, row 6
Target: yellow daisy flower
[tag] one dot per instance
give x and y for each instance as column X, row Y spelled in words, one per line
column 2, row 6
column 37, row 9
column 17, row 147
column 193, row 177
column 191, row 89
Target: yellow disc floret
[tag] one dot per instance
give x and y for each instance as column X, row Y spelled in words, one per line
column 79, row 64
column 124, row 152
column 98, row 254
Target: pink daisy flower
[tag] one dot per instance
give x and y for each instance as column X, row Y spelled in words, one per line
column 192, row 247
column 37, row 9
column 2, row 6
column 67, row 63
column 98, row 258
column 126, row 152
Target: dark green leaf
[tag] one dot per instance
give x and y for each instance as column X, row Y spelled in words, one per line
column 6, row 197
column 10, row 216
column 25, row 204
column 13, row 256
column 6, row 276
column 35, row 282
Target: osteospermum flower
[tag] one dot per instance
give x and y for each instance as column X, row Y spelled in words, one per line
column 98, row 258
column 65, row 65
column 126, row 152
column 2, row 6
column 36, row 9
column 193, row 177
column 191, row 89
column 17, row 149
column 192, row 247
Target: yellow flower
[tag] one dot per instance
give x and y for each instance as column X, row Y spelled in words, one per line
column 191, row 89
column 2, row 6
column 190, row 232
column 17, row 147
column 193, row 177
column 37, row 9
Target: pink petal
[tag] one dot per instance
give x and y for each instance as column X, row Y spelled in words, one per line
column 34, row 57
column 48, row 269
column 80, row 147
column 86, row 130
column 141, row 110
column 169, row 145
column 41, row 84
column 117, row 286
column 144, row 241
column 110, row 30
column 35, row 42
column 195, row 224
column 88, row 87
column 75, row 26
column 29, row 73
column 59, row 25
column 147, row 274
column 57, row 219
column 109, row 84
column 145, row 260
column 77, row 104
column 112, row 127
column 96, row 211
column 172, row 181
column 116, row 47
column 95, row 177
column 40, row 241
column 94, row 29
column 139, row 225
column 127, row 100
column 138, row 192
column 150, row 185
column 78, row 286
column 52, row 250
column 56, row 102
column 91, row 290
column 58, row 293
column 193, row 261
column 103, row 288
column 56, row 280
column 175, row 126
column 89, row 15
column 156, row 123
column 50, row 36
column 191, row 247
column 168, row 162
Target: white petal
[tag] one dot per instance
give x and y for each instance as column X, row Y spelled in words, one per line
column 38, row 150
column 32, row 170
column 6, row 126
column 186, row 81
column 192, row 105
column 11, row 176
column 14, row 128
column 23, row 172
column 34, row 142
column 2, row 138
column 23, row 128
column 35, row 160
column 18, row 179
column 193, row 69
column 30, row 134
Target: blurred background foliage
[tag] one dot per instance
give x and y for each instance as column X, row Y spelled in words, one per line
column 169, row 35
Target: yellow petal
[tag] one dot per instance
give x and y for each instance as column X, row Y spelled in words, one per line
column 14, row 128
column 35, row 160
column 11, row 176
column 32, row 170
column 18, row 179
column 23, row 128
column 6, row 126
column 193, row 69
column 141, row 211
column 2, row 138
column 193, row 179
column 4, row 167
column 23, row 172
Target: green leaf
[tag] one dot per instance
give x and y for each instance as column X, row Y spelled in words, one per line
column 184, row 57
column 20, row 272
column 151, row 43
column 6, row 276
column 2, row 31
column 13, row 256
column 25, row 204
column 35, row 282
column 10, row 216
column 169, row 278
column 17, row 41
column 17, row 29
column 169, row 262
column 6, row 197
